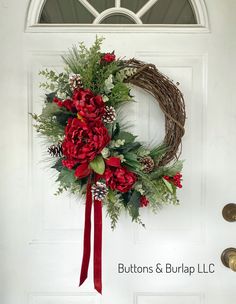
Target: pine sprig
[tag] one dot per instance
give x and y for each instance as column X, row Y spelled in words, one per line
column 84, row 61
column 114, row 203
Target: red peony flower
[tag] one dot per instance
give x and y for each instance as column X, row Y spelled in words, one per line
column 89, row 106
column 118, row 177
column 83, row 143
column 143, row 201
column 68, row 104
column 175, row 180
column 109, row 57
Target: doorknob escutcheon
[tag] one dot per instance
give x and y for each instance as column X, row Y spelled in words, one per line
column 229, row 213
column 228, row 258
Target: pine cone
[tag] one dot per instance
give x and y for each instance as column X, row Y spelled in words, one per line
column 110, row 114
column 99, row 191
column 75, row 81
column 55, row 150
column 147, row 164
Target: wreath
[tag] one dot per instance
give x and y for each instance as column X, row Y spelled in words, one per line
column 93, row 151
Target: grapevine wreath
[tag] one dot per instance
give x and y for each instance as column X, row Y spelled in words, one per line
column 95, row 154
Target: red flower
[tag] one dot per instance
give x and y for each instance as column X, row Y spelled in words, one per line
column 83, row 170
column 118, row 177
column 109, row 57
column 89, row 106
column 143, row 201
column 175, row 180
column 68, row 104
column 82, row 143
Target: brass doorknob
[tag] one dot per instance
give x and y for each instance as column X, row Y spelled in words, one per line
column 228, row 258
column 229, row 212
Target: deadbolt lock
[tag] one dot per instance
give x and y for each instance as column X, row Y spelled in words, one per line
column 228, row 258
column 229, row 212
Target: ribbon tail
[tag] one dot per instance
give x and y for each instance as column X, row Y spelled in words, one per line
column 87, row 235
column 97, row 268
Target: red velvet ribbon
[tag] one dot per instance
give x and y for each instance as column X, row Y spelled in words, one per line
column 97, row 259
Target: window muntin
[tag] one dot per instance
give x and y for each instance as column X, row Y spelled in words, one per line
column 125, row 12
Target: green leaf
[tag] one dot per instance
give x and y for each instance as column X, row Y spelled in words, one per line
column 98, row 165
column 159, row 151
column 129, row 147
column 131, row 160
column 168, row 185
column 134, row 205
column 50, row 96
column 58, row 165
column 130, row 156
column 128, row 137
column 66, row 176
column 116, row 130
column 62, row 116
column 175, row 168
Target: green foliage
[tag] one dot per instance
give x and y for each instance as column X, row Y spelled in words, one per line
column 58, row 165
column 103, row 77
column 68, row 181
column 114, row 203
column 125, row 73
column 58, row 83
column 174, row 169
column 130, row 147
column 157, row 153
column 119, row 94
column 131, row 161
column 86, row 62
column 133, row 208
column 66, row 176
column 47, row 123
column 168, row 185
column 115, row 130
column 128, row 137
column 98, row 165
column 80, row 58
column 134, row 205
column 167, row 170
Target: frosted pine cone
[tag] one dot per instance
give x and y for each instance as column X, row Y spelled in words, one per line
column 99, row 191
column 55, row 150
column 147, row 164
column 110, row 114
column 75, row 81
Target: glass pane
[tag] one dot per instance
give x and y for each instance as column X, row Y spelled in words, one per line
column 117, row 19
column 162, row 12
column 170, row 12
column 102, row 5
column 132, row 5
column 65, row 11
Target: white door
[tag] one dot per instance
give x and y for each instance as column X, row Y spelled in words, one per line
column 41, row 235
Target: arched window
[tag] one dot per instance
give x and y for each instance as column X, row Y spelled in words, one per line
column 121, row 12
